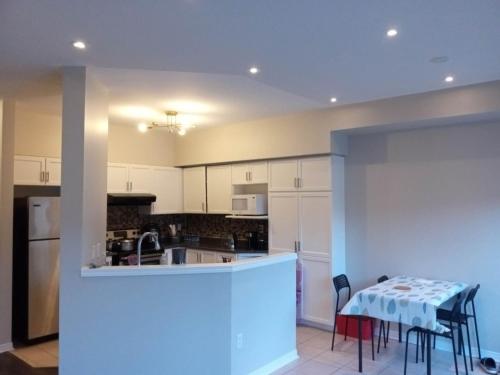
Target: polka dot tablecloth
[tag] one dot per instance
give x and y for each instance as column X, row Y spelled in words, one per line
column 405, row 299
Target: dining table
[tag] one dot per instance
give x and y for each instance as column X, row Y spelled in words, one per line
column 404, row 299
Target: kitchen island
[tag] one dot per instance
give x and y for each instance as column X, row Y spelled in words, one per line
column 219, row 318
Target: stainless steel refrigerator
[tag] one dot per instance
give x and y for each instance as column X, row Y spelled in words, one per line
column 36, row 268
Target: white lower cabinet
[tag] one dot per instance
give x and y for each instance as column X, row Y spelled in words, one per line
column 208, row 257
column 193, row 256
column 301, row 223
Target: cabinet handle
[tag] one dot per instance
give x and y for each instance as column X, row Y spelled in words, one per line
column 47, row 176
column 203, row 206
column 295, row 182
column 299, row 182
column 295, row 246
column 131, row 186
column 42, row 176
column 250, row 176
column 298, row 246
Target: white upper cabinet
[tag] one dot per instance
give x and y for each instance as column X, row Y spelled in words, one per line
column 283, row 175
column 249, row 173
column 140, row 178
column 36, row 170
column 53, row 171
column 308, row 174
column 167, row 186
column 194, row 190
column 219, row 189
column 283, row 222
column 315, row 174
column 118, row 181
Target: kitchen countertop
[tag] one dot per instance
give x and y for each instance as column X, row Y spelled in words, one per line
column 211, row 244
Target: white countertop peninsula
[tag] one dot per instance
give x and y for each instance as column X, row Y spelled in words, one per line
column 185, row 269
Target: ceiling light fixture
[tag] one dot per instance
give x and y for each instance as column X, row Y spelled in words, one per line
column 142, row 127
column 449, row 79
column 391, row 33
column 333, row 100
column 253, row 70
column 79, row 44
column 172, row 125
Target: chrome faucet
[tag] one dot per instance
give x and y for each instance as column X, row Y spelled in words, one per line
column 153, row 235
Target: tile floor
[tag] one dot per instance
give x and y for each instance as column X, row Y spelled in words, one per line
column 41, row 355
column 316, row 357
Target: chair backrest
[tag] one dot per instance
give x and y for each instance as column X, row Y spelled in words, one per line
column 340, row 283
column 470, row 296
column 382, row 278
column 457, row 307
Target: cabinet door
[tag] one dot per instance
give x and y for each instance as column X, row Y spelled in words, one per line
column 283, row 175
column 315, row 213
column 258, row 172
column 315, row 174
column 192, row 256
column 167, row 186
column 140, row 178
column 283, row 222
column 29, row 170
column 317, row 290
column 208, row 257
column 53, row 171
column 219, row 189
column 194, row 190
column 240, row 174
column 117, row 178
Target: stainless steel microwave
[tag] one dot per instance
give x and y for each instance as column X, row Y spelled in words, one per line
column 249, row 204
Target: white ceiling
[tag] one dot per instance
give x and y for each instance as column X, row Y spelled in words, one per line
column 308, row 51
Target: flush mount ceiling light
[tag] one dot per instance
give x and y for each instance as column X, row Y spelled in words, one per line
column 449, row 79
column 79, row 44
column 142, row 127
column 171, row 124
column 333, row 100
column 253, row 70
column 391, row 33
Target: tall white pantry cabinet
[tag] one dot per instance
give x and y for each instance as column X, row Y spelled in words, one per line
column 301, row 220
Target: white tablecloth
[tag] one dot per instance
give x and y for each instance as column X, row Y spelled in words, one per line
column 405, row 299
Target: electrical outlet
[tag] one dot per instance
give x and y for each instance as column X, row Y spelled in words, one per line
column 239, row 340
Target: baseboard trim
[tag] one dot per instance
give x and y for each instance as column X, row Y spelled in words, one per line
column 7, row 347
column 276, row 364
column 314, row 324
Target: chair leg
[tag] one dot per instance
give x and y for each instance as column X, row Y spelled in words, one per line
column 418, row 343
column 406, row 349
column 381, row 326
column 434, row 343
column 468, row 344
column 334, row 329
column 423, row 346
column 373, row 344
column 461, row 336
column 454, row 350
column 346, row 325
column 400, row 330
column 475, row 328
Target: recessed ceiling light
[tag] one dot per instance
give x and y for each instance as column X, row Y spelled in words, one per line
column 449, row 79
column 79, row 44
column 253, row 70
column 333, row 100
column 391, row 33
column 142, row 127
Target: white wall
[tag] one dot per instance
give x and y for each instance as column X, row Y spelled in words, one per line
column 427, row 203
column 39, row 134
column 309, row 133
column 7, row 118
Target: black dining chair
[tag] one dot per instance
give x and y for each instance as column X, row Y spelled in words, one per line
column 341, row 283
column 452, row 326
column 468, row 312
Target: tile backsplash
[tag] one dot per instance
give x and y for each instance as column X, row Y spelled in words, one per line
column 204, row 225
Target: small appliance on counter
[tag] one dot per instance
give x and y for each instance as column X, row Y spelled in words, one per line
column 121, row 246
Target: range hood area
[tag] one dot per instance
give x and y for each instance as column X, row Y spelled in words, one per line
column 130, row 199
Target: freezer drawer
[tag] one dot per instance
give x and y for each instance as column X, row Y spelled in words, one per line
column 43, row 218
column 43, row 288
